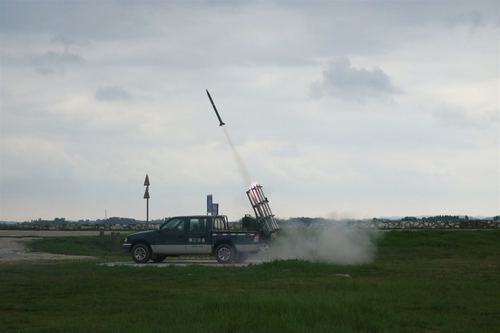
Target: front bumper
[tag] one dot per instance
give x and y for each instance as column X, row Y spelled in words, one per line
column 126, row 246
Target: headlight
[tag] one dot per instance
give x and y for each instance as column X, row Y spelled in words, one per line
column 125, row 240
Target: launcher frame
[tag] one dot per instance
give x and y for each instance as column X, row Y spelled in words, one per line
column 260, row 205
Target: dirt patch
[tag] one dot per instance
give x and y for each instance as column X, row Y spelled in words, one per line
column 14, row 249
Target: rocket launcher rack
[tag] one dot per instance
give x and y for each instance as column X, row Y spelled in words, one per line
column 260, row 206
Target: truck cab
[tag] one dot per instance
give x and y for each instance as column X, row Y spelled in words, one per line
column 193, row 235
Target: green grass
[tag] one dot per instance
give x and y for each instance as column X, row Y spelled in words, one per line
column 106, row 247
column 422, row 281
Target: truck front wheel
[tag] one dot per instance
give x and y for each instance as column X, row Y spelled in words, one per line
column 141, row 253
column 225, row 254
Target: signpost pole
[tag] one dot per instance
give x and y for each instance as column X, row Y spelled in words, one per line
column 146, row 196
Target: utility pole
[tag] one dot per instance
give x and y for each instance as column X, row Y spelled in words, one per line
column 146, row 196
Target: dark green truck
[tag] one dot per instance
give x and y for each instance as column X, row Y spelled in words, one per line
column 193, row 235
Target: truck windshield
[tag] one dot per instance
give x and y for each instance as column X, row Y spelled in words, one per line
column 173, row 225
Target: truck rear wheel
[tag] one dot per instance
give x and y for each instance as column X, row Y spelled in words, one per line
column 225, row 254
column 141, row 253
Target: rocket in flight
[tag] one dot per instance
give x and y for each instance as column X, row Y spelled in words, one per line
column 221, row 123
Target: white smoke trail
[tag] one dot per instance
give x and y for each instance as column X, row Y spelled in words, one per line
column 245, row 175
column 332, row 241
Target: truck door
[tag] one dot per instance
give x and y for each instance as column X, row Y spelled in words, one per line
column 198, row 241
column 172, row 237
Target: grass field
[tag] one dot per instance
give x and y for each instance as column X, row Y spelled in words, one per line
column 422, row 281
column 107, row 247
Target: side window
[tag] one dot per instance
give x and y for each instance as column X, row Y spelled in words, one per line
column 197, row 225
column 218, row 224
column 174, row 225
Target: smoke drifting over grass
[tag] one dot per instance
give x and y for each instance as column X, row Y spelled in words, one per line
column 332, row 241
column 336, row 242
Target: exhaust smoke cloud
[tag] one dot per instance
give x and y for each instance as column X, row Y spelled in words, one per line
column 338, row 242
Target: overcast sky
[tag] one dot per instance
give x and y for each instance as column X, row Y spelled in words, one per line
column 339, row 109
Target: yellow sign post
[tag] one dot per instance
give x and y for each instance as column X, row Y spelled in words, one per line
column 146, row 196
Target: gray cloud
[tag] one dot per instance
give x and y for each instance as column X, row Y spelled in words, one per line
column 344, row 81
column 432, row 147
column 77, row 18
column 473, row 19
column 54, row 62
column 456, row 116
column 111, row 93
column 310, row 30
column 67, row 41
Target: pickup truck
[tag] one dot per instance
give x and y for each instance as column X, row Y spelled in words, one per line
column 193, row 235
